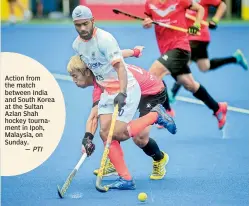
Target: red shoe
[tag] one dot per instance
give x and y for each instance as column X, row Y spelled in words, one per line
column 221, row 114
column 170, row 113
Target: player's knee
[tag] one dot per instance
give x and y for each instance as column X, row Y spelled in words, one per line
column 158, row 70
column 204, row 65
column 140, row 140
column 120, row 135
column 103, row 133
column 190, row 85
column 204, row 68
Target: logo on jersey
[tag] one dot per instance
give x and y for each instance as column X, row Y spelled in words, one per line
column 94, row 65
column 162, row 12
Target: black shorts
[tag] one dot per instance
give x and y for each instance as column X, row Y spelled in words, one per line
column 176, row 61
column 148, row 102
column 199, row 50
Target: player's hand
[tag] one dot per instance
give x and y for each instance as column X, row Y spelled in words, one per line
column 213, row 23
column 193, row 30
column 120, row 100
column 147, row 23
column 87, row 145
column 138, row 51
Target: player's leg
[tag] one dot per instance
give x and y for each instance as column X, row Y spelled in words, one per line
column 238, row 58
column 12, row 17
column 159, row 70
column 166, row 103
column 199, row 53
column 105, row 110
column 199, row 91
column 26, row 12
column 151, row 148
column 177, row 64
column 153, row 114
column 147, row 144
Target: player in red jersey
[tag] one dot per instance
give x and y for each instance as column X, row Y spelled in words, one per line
column 175, row 49
column 153, row 94
column 199, row 43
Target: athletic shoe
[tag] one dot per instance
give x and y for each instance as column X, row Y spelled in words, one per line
column 170, row 113
column 159, row 169
column 122, row 184
column 240, row 58
column 221, row 114
column 164, row 119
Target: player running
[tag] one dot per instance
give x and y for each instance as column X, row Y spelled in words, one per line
column 175, row 49
column 26, row 13
column 199, row 44
column 100, row 52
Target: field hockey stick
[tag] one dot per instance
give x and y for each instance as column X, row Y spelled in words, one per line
column 188, row 16
column 62, row 191
column 99, row 187
column 172, row 27
column 116, row 11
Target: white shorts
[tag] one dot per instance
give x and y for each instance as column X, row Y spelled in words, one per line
column 106, row 104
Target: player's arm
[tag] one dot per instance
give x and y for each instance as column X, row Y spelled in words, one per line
column 92, row 122
column 147, row 22
column 221, row 9
column 199, row 16
column 91, row 126
column 136, row 52
column 113, row 54
column 200, row 12
column 122, row 77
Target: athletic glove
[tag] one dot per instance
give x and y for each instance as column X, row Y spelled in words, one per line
column 120, row 100
column 88, row 144
column 213, row 23
column 194, row 29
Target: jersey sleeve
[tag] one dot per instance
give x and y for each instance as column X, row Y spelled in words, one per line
column 214, row 2
column 75, row 46
column 186, row 3
column 147, row 8
column 97, row 91
column 111, row 50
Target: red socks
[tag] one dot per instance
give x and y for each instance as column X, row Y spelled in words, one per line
column 136, row 126
column 117, row 159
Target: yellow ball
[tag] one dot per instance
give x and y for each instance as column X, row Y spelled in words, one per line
column 142, row 197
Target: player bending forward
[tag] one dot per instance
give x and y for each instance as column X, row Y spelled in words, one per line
column 100, row 51
column 153, row 93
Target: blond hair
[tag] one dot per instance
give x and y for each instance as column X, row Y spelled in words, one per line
column 76, row 63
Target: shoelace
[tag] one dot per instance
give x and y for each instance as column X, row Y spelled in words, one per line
column 156, row 168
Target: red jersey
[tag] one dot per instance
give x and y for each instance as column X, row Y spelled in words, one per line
column 205, row 34
column 170, row 12
column 149, row 84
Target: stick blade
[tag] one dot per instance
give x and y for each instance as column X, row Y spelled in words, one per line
column 116, row 11
column 59, row 191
